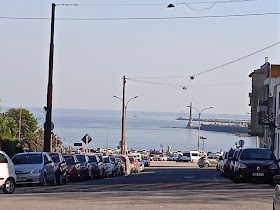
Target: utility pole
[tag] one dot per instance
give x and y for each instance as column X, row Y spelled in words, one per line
column 190, row 117
column 123, row 117
column 19, row 124
column 48, row 123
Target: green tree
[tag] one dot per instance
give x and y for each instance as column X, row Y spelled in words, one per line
column 28, row 123
column 8, row 128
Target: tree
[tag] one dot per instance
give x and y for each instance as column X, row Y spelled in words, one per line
column 8, row 128
column 28, row 123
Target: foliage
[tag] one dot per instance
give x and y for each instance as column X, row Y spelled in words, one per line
column 28, row 123
column 8, row 128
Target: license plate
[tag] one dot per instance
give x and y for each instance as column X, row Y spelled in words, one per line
column 258, row 174
column 21, row 179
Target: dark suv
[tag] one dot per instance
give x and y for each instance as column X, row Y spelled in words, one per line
column 87, row 169
column 60, row 168
column 98, row 166
column 255, row 164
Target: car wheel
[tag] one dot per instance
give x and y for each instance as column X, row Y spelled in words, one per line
column 44, row 181
column 91, row 176
column 200, row 166
column 9, row 186
column 59, row 179
column 206, row 165
column 53, row 182
column 65, row 180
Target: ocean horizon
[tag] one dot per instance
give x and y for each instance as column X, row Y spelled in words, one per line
column 144, row 130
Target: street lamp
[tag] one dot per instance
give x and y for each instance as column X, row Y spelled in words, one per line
column 124, row 122
column 199, row 114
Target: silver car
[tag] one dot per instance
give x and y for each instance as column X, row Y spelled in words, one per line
column 34, row 168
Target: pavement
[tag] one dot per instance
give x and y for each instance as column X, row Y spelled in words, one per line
column 164, row 185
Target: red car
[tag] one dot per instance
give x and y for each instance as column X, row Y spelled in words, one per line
column 134, row 165
column 74, row 169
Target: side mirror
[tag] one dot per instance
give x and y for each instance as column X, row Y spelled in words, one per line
column 276, row 179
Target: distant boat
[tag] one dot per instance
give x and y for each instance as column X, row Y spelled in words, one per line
column 182, row 118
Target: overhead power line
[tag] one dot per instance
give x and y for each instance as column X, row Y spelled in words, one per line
column 141, row 18
column 212, row 69
column 123, row 4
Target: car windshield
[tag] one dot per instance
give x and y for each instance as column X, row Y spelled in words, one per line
column 187, row 154
column 106, row 160
column 27, row 159
column 257, row 155
column 54, row 158
column 92, row 158
column 101, row 158
column 231, row 153
column 81, row 158
column 131, row 159
column 69, row 160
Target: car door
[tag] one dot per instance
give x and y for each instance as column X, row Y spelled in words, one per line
column 48, row 166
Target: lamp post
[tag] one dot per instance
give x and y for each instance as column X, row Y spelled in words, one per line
column 123, row 140
column 199, row 114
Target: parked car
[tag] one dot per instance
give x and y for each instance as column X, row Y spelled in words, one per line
column 114, row 165
column 141, row 165
column 227, row 159
column 74, row 170
column 146, row 160
column 60, row 168
column 98, row 166
column 255, row 164
column 126, row 161
column 173, row 157
column 154, row 157
column 232, row 163
column 134, row 165
column 205, row 162
column 221, row 162
column 120, row 167
column 87, row 169
column 109, row 166
column 162, row 157
column 34, row 168
column 7, row 174
column 276, row 196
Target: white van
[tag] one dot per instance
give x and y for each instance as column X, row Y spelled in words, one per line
column 195, row 155
column 7, row 174
column 190, row 156
column 186, row 157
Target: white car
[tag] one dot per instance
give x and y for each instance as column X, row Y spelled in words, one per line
column 7, row 174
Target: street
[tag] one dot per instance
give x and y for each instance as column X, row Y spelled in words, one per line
column 165, row 185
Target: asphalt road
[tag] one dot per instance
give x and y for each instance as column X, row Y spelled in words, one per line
column 184, row 186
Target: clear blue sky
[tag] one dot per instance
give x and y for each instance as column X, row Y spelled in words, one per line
column 91, row 57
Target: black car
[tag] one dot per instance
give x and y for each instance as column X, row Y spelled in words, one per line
column 87, row 169
column 98, row 166
column 255, row 164
column 60, row 168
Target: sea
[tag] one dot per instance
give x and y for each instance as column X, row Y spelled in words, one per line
column 144, row 130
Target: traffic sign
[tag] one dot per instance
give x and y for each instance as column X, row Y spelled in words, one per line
column 86, row 139
column 241, row 143
column 78, row 144
column 52, row 126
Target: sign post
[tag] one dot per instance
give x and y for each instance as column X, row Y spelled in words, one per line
column 86, row 139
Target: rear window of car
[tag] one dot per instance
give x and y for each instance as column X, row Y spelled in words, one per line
column 3, row 159
column 69, row 160
column 27, row 159
column 81, row 158
column 257, row 155
column 92, row 158
column 106, row 160
column 55, row 158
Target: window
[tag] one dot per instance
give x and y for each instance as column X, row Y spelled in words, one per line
column 3, row 159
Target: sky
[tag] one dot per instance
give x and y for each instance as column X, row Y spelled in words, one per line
column 91, row 56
